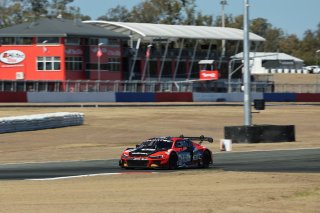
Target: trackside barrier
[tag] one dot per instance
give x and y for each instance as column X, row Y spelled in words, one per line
column 65, row 97
column 223, row 97
column 174, row 97
column 81, row 97
column 280, row 97
column 135, row 97
column 40, row 121
column 307, row 97
column 20, row 97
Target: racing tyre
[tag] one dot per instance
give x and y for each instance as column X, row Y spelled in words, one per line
column 173, row 162
column 206, row 159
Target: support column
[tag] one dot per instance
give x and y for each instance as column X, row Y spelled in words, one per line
column 209, row 50
column 178, row 60
column 192, row 60
column 163, row 60
column 134, row 59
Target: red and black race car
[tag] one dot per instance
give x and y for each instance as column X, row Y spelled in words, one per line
column 168, row 153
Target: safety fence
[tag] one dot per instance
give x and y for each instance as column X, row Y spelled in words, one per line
column 221, row 86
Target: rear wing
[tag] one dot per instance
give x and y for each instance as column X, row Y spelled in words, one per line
column 201, row 138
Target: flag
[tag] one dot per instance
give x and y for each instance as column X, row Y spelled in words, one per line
column 148, row 53
column 99, row 52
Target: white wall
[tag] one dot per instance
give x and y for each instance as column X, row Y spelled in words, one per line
column 65, row 97
column 228, row 97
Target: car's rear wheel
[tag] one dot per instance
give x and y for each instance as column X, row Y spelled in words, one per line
column 173, row 162
column 206, row 159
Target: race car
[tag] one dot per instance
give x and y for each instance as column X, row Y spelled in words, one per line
column 168, row 153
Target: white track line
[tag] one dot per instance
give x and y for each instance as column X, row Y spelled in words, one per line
column 76, row 176
column 267, row 150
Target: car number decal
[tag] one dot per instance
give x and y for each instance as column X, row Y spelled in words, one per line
column 183, row 158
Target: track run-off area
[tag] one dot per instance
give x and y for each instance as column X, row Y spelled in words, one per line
column 291, row 160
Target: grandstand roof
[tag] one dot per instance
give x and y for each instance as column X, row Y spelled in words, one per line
column 269, row 56
column 149, row 31
column 53, row 27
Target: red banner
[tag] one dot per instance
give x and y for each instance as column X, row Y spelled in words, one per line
column 209, row 75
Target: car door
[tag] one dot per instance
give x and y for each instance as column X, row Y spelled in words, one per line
column 184, row 153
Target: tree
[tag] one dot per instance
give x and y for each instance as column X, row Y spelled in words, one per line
column 290, row 45
column 119, row 13
column 60, row 8
column 37, row 7
column 157, row 11
column 309, row 46
column 10, row 13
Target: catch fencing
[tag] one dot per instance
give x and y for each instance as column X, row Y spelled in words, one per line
column 220, row 86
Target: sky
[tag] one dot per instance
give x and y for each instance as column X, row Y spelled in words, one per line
column 292, row 16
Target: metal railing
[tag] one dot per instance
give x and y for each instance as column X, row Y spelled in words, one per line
column 153, row 86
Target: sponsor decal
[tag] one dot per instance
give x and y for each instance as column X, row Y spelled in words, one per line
column 110, row 52
column 209, row 75
column 73, row 51
column 12, row 57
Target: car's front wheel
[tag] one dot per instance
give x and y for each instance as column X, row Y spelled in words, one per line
column 173, row 161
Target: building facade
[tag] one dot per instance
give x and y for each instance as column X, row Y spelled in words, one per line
column 60, row 50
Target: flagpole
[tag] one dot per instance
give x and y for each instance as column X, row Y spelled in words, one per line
column 99, row 54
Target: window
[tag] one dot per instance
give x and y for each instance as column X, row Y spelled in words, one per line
column 72, row 41
column 24, row 40
column 114, row 42
column 48, row 63
column 183, row 143
column 74, row 63
column 48, row 40
column 114, row 64
column 7, row 40
column 105, row 41
column 93, row 41
column 16, row 40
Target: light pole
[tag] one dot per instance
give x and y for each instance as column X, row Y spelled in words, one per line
column 99, row 54
column 246, row 74
column 223, row 3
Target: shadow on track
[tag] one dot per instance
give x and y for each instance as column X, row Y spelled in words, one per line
column 302, row 160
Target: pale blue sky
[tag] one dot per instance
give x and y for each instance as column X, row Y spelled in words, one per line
column 292, row 16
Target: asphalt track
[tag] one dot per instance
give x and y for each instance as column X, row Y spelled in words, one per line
column 297, row 161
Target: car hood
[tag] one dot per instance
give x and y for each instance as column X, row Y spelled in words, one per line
column 143, row 152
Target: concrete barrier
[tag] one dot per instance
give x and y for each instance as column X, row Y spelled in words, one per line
column 227, row 97
column 307, row 97
column 66, row 97
column 173, row 97
column 135, row 97
column 40, row 121
column 280, row 97
column 17, row 97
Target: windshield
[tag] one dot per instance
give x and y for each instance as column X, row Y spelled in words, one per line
column 156, row 144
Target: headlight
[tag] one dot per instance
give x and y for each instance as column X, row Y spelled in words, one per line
column 124, row 155
column 156, row 156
